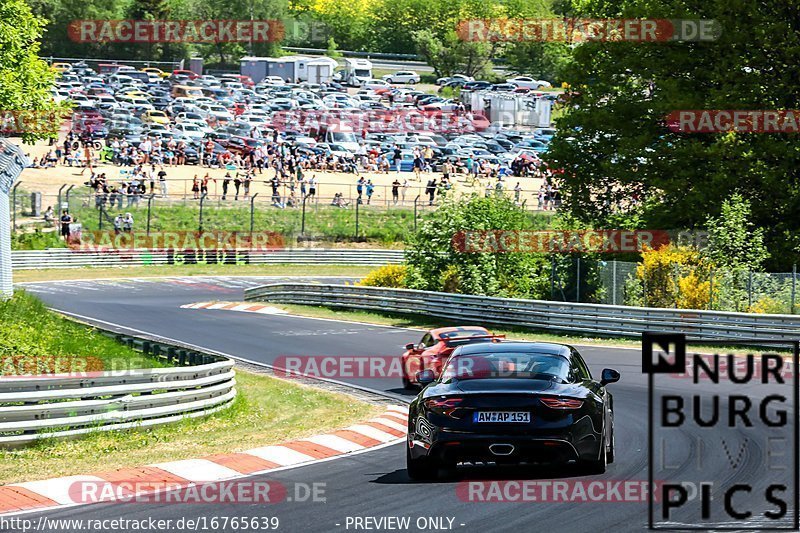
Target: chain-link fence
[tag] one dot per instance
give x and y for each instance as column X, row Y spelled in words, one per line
column 622, row 283
column 312, row 217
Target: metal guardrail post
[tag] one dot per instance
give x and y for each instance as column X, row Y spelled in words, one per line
column 149, row 205
column 358, row 202
column 415, row 213
column 14, row 206
column 202, row 200
column 613, row 282
column 303, row 218
column 578, row 280
column 252, row 217
column 69, row 190
column 794, row 286
column 711, row 290
column 59, row 196
column 749, row 289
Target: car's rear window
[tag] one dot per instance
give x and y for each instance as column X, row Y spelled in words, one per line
column 462, row 333
column 507, row 365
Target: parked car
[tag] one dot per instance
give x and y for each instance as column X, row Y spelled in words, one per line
column 527, row 81
column 454, row 77
column 402, row 76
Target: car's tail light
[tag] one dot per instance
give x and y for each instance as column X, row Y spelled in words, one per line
column 443, row 403
column 562, row 403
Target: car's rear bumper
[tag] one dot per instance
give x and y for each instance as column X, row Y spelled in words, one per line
column 465, row 447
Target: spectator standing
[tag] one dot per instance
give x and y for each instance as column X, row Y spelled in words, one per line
column 118, row 224
column 127, row 223
column 66, row 220
column 162, row 181
column 237, row 182
column 204, row 184
column 370, row 189
column 195, row 187
column 312, row 186
column 226, row 181
column 395, row 190
column 430, row 189
column 397, row 158
column 360, row 190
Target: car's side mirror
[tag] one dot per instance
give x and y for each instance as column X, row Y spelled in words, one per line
column 609, row 376
column 410, row 346
column 425, row 377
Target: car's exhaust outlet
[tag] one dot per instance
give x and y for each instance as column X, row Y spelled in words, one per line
column 501, row 449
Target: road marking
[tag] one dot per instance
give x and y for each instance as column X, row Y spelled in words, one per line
column 35, row 496
column 197, row 470
column 58, row 489
column 236, row 306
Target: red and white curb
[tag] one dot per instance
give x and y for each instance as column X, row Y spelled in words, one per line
column 236, row 306
column 387, row 429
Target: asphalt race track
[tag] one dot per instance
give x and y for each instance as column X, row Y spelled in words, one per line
column 374, row 484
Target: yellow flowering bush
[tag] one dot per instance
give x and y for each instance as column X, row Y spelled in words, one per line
column 393, row 276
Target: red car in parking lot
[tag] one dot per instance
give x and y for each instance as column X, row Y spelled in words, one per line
column 436, row 346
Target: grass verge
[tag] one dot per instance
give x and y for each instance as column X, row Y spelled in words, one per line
column 375, row 223
column 424, row 323
column 34, row 340
column 266, row 411
column 160, row 271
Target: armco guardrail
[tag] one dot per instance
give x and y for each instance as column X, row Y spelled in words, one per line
column 597, row 319
column 67, row 258
column 33, row 408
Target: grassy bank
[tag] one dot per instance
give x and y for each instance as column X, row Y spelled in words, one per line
column 375, row 224
column 160, row 271
column 35, row 340
column 266, row 411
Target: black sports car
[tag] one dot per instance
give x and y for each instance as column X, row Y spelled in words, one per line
column 511, row 402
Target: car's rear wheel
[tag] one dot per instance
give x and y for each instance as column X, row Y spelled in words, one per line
column 389, row 80
column 407, row 383
column 597, row 466
column 420, row 469
column 412, row 82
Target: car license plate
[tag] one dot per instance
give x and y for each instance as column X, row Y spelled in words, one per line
column 501, row 417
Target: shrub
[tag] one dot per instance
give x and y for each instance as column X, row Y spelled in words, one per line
column 671, row 276
column 768, row 305
column 437, row 265
column 393, row 276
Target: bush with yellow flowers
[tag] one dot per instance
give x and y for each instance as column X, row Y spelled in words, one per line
column 672, row 276
column 392, row 276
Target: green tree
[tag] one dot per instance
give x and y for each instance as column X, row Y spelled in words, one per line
column 617, row 153
column 333, row 49
column 544, row 61
column 437, row 264
column 450, row 55
column 25, row 79
column 733, row 240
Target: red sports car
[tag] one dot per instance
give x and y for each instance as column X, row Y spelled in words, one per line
column 436, row 346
